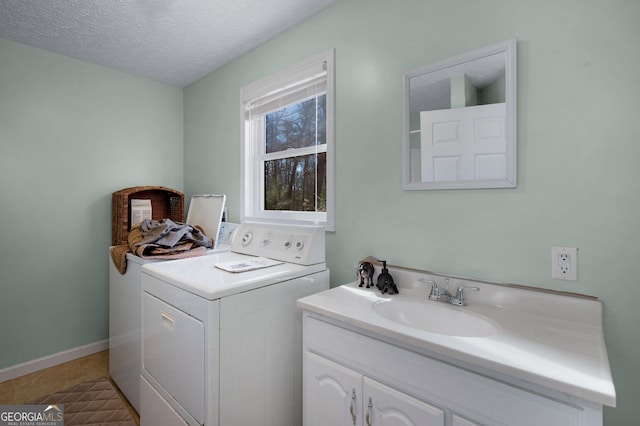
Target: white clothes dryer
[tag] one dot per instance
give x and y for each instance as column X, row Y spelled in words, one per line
column 125, row 313
column 223, row 348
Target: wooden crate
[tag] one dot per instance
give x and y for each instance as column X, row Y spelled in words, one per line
column 165, row 203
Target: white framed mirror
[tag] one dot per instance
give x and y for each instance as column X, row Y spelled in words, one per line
column 459, row 121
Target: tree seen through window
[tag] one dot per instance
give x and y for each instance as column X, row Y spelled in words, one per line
column 296, row 182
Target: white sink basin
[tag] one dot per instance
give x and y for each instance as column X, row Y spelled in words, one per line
column 434, row 317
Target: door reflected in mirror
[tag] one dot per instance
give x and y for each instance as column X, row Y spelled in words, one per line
column 459, row 117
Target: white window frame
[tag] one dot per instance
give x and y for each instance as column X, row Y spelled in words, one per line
column 253, row 150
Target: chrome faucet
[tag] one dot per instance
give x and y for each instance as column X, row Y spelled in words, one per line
column 459, row 298
column 436, row 292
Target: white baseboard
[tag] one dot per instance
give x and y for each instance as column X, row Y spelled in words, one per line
column 51, row 360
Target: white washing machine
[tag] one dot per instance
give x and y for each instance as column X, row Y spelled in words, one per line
column 222, row 348
column 125, row 297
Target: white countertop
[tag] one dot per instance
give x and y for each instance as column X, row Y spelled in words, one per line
column 551, row 340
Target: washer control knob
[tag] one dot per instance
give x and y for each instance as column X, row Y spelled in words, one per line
column 287, row 244
column 246, row 238
column 299, row 245
column 266, row 240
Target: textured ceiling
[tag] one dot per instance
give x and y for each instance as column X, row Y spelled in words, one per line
column 173, row 41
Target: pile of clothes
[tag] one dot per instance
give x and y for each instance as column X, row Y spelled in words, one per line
column 161, row 239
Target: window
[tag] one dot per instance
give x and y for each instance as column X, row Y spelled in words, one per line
column 287, row 138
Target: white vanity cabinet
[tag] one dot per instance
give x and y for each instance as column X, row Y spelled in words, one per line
column 389, row 407
column 332, row 393
column 354, row 377
column 335, row 395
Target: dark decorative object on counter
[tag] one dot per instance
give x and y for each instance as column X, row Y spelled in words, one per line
column 365, row 271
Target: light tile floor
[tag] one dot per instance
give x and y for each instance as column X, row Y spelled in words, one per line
column 40, row 383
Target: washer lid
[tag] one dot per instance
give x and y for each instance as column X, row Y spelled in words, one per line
column 200, row 276
column 205, row 211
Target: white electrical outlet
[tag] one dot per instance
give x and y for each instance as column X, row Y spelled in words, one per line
column 564, row 263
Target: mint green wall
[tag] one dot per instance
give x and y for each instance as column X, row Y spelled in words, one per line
column 71, row 133
column 579, row 145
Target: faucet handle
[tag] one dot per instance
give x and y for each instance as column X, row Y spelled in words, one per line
column 459, row 299
column 435, row 292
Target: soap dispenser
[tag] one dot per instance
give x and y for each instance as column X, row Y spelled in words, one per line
column 385, row 281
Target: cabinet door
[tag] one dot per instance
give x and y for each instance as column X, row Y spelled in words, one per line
column 387, row 407
column 332, row 393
